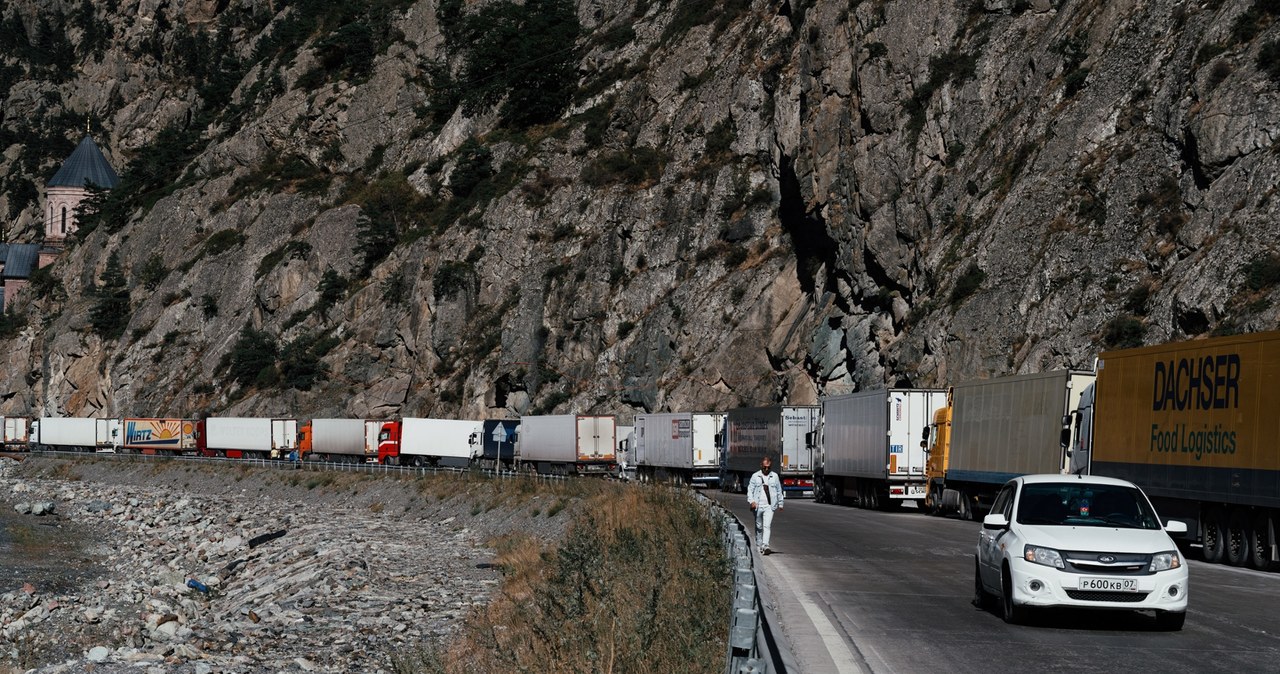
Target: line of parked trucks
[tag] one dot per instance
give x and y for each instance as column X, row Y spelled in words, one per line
column 552, row 444
column 1193, row 423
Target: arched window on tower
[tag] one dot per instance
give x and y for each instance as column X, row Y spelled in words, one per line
column 64, row 219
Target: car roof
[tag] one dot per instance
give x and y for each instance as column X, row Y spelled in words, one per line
column 1074, row 479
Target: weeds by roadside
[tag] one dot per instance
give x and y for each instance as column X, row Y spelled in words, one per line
column 639, row 584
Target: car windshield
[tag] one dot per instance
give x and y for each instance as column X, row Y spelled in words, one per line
column 1075, row 504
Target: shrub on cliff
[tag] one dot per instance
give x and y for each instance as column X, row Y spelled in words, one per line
column 110, row 312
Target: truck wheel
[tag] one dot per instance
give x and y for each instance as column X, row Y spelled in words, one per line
column 1212, row 535
column 1260, row 542
column 1237, row 539
column 966, row 506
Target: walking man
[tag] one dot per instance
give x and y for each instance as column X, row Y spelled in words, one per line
column 764, row 493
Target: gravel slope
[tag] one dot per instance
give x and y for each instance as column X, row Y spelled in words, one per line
column 363, row 569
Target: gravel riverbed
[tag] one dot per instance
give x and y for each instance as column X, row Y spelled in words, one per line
column 171, row 566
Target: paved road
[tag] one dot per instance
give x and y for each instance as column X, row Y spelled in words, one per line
column 864, row 591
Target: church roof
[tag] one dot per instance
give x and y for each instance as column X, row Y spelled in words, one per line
column 21, row 259
column 85, row 165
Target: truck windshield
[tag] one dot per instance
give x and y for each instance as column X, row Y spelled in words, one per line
column 1080, row 504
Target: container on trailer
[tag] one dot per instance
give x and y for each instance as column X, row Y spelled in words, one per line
column 679, row 445
column 17, row 432
column 1194, row 424
column 260, row 436
column 1005, row 427
column 871, row 445
column 340, row 437
column 565, row 442
column 781, row 432
column 443, row 442
column 150, row 436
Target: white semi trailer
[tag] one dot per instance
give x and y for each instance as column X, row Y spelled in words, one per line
column 76, row 434
column 869, row 446
column 251, row 437
column 679, row 447
column 569, row 443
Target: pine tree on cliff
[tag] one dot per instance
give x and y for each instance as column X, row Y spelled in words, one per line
column 110, row 314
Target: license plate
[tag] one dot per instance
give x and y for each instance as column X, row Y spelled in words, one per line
column 1109, row 584
column 915, row 490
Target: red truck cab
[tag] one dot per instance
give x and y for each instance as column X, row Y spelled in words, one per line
column 389, row 442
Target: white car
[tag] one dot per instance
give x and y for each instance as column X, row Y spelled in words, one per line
column 1083, row 542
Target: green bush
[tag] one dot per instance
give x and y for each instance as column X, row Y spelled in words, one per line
column 332, row 288
column 294, row 250
column 968, row 284
column 520, row 55
column 110, row 312
column 1269, row 60
column 389, row 208
column 208, row 306
column 222, row 241
column 451, row 278
column 1262, row 272
column 45, row 284
column 1135, row 302
column 637, row 166
column 395, row 290
column 152, row 272
column 252, row 359
column 300, row 364
column 720, row 138
column 11, row 323
column 1123, row 332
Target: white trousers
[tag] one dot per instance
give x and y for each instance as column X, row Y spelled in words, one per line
column 764, row 520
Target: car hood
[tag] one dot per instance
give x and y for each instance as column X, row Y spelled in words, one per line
column 1102, row 539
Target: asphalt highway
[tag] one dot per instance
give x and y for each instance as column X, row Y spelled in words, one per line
column 865, row 591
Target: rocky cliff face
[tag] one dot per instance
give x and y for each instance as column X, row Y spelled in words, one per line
column 716, row 203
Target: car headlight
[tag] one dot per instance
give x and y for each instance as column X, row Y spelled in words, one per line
column 1045, row 556
column 1163, row 561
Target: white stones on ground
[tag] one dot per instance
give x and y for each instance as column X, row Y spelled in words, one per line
column 23, row 508
column 334, row 571
column 98, row 654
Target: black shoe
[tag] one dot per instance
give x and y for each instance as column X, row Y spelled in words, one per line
column 766, row 551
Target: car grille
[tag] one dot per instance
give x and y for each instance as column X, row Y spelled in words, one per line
column 1090, row 595
column 1121, row 565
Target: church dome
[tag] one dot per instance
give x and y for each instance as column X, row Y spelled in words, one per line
column 86, row 166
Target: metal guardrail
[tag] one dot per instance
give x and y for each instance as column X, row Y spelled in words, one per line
column 752, row 645
column 315, row 466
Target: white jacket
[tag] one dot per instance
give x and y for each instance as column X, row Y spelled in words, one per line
column 755, row 490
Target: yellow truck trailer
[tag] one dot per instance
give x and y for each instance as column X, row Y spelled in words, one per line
column 1196, row 425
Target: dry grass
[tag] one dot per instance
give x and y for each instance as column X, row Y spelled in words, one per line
column 639, row 584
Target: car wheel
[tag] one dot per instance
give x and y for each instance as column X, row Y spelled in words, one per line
column 1012, row 613
column 1169, row 621
column 1260, row 542
column 981, row 598
column 1237, row 538
column 1212, row 535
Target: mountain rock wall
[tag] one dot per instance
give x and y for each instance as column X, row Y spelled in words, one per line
column 738, row 203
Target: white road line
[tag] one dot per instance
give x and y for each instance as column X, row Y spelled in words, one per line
column 831, row 637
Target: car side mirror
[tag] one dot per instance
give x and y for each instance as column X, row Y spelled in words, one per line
column 1175, row 527
column 995, row 521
